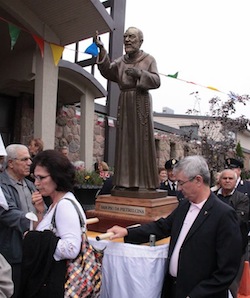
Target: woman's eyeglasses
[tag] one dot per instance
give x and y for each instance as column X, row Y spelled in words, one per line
column 38, row 177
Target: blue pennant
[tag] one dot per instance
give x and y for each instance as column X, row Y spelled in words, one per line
column 92, row 50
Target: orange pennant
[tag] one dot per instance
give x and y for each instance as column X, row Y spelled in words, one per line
column 40, row 43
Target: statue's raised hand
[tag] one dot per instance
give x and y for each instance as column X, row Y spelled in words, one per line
column 97, row 41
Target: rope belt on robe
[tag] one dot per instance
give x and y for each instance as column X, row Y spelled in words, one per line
column 143, row 110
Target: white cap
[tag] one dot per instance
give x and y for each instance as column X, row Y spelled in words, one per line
column 2, row 148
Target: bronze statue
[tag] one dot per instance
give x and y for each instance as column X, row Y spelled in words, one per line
column 135, row 73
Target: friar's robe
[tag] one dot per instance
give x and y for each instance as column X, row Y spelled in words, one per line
column 135, row 157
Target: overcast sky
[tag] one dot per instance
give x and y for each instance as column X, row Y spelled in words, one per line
column 206, row 41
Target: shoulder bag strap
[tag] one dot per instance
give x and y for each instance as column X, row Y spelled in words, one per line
column 53, row 220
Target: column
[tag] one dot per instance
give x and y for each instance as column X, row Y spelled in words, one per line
column 87, row 129
column 46, row 84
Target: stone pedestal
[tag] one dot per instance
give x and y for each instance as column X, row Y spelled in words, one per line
column 125, row 211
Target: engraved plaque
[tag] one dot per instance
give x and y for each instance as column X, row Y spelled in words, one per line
column 123, row 209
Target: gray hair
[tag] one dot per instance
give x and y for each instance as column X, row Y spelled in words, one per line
column 79, row 163
column 140, row 33
column 192, row 166
column 230, row 170
column 12, row 151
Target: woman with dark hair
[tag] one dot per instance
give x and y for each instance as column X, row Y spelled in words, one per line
column 54, row 177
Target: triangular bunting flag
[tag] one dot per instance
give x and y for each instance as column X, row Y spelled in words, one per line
column 3, row 202
column 92, row 50
column 65, row 111
column 232, row 95
column 78, row 114
column 57, row 52
column 100, row 119
column 40, row 43
column 14, row 34
column 111, row 122
column 174, row 75
column 2, row 148
column 213, row 88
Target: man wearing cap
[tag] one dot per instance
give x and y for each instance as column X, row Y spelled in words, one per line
column 172, row 186
column 237, row 166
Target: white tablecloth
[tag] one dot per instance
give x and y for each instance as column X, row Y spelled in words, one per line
column 132, row 271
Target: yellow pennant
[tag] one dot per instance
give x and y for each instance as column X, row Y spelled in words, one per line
column 57, row 52
column 213, row 88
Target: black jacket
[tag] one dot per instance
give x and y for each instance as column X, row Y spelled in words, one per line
column 240, row 202
column 244, row 187
column 176, row 193
column 210, row 254
column 41, row 276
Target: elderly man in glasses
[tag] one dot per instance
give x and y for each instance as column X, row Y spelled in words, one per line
column 17, row 191
column 205, row 245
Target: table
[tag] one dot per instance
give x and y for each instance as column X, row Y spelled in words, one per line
column 131, row 271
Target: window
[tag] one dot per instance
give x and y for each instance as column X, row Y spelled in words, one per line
column 172, row 150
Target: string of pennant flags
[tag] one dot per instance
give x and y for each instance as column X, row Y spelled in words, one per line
column 14, row 32
column 57, row 52
column 231, row 94
column 100, row 118
column 111, row 120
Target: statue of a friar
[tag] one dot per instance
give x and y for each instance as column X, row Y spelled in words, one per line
column 136, row 73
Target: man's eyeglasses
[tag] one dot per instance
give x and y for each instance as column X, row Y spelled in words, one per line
column 24, row 159
column 181, row 183
column 38, row 177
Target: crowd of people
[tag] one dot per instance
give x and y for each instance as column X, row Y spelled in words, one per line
column 208, row 229
column 42, row 182
column 34, row 265
column 211, row 221
column 206, row 222
column 207, row 234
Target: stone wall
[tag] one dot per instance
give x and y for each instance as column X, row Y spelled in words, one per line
column 170, row 145
column 67, row 133
column 24, row 115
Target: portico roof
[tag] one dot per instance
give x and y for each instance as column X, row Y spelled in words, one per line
column 66, row 21
column 72, row 78
column 61, row 22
